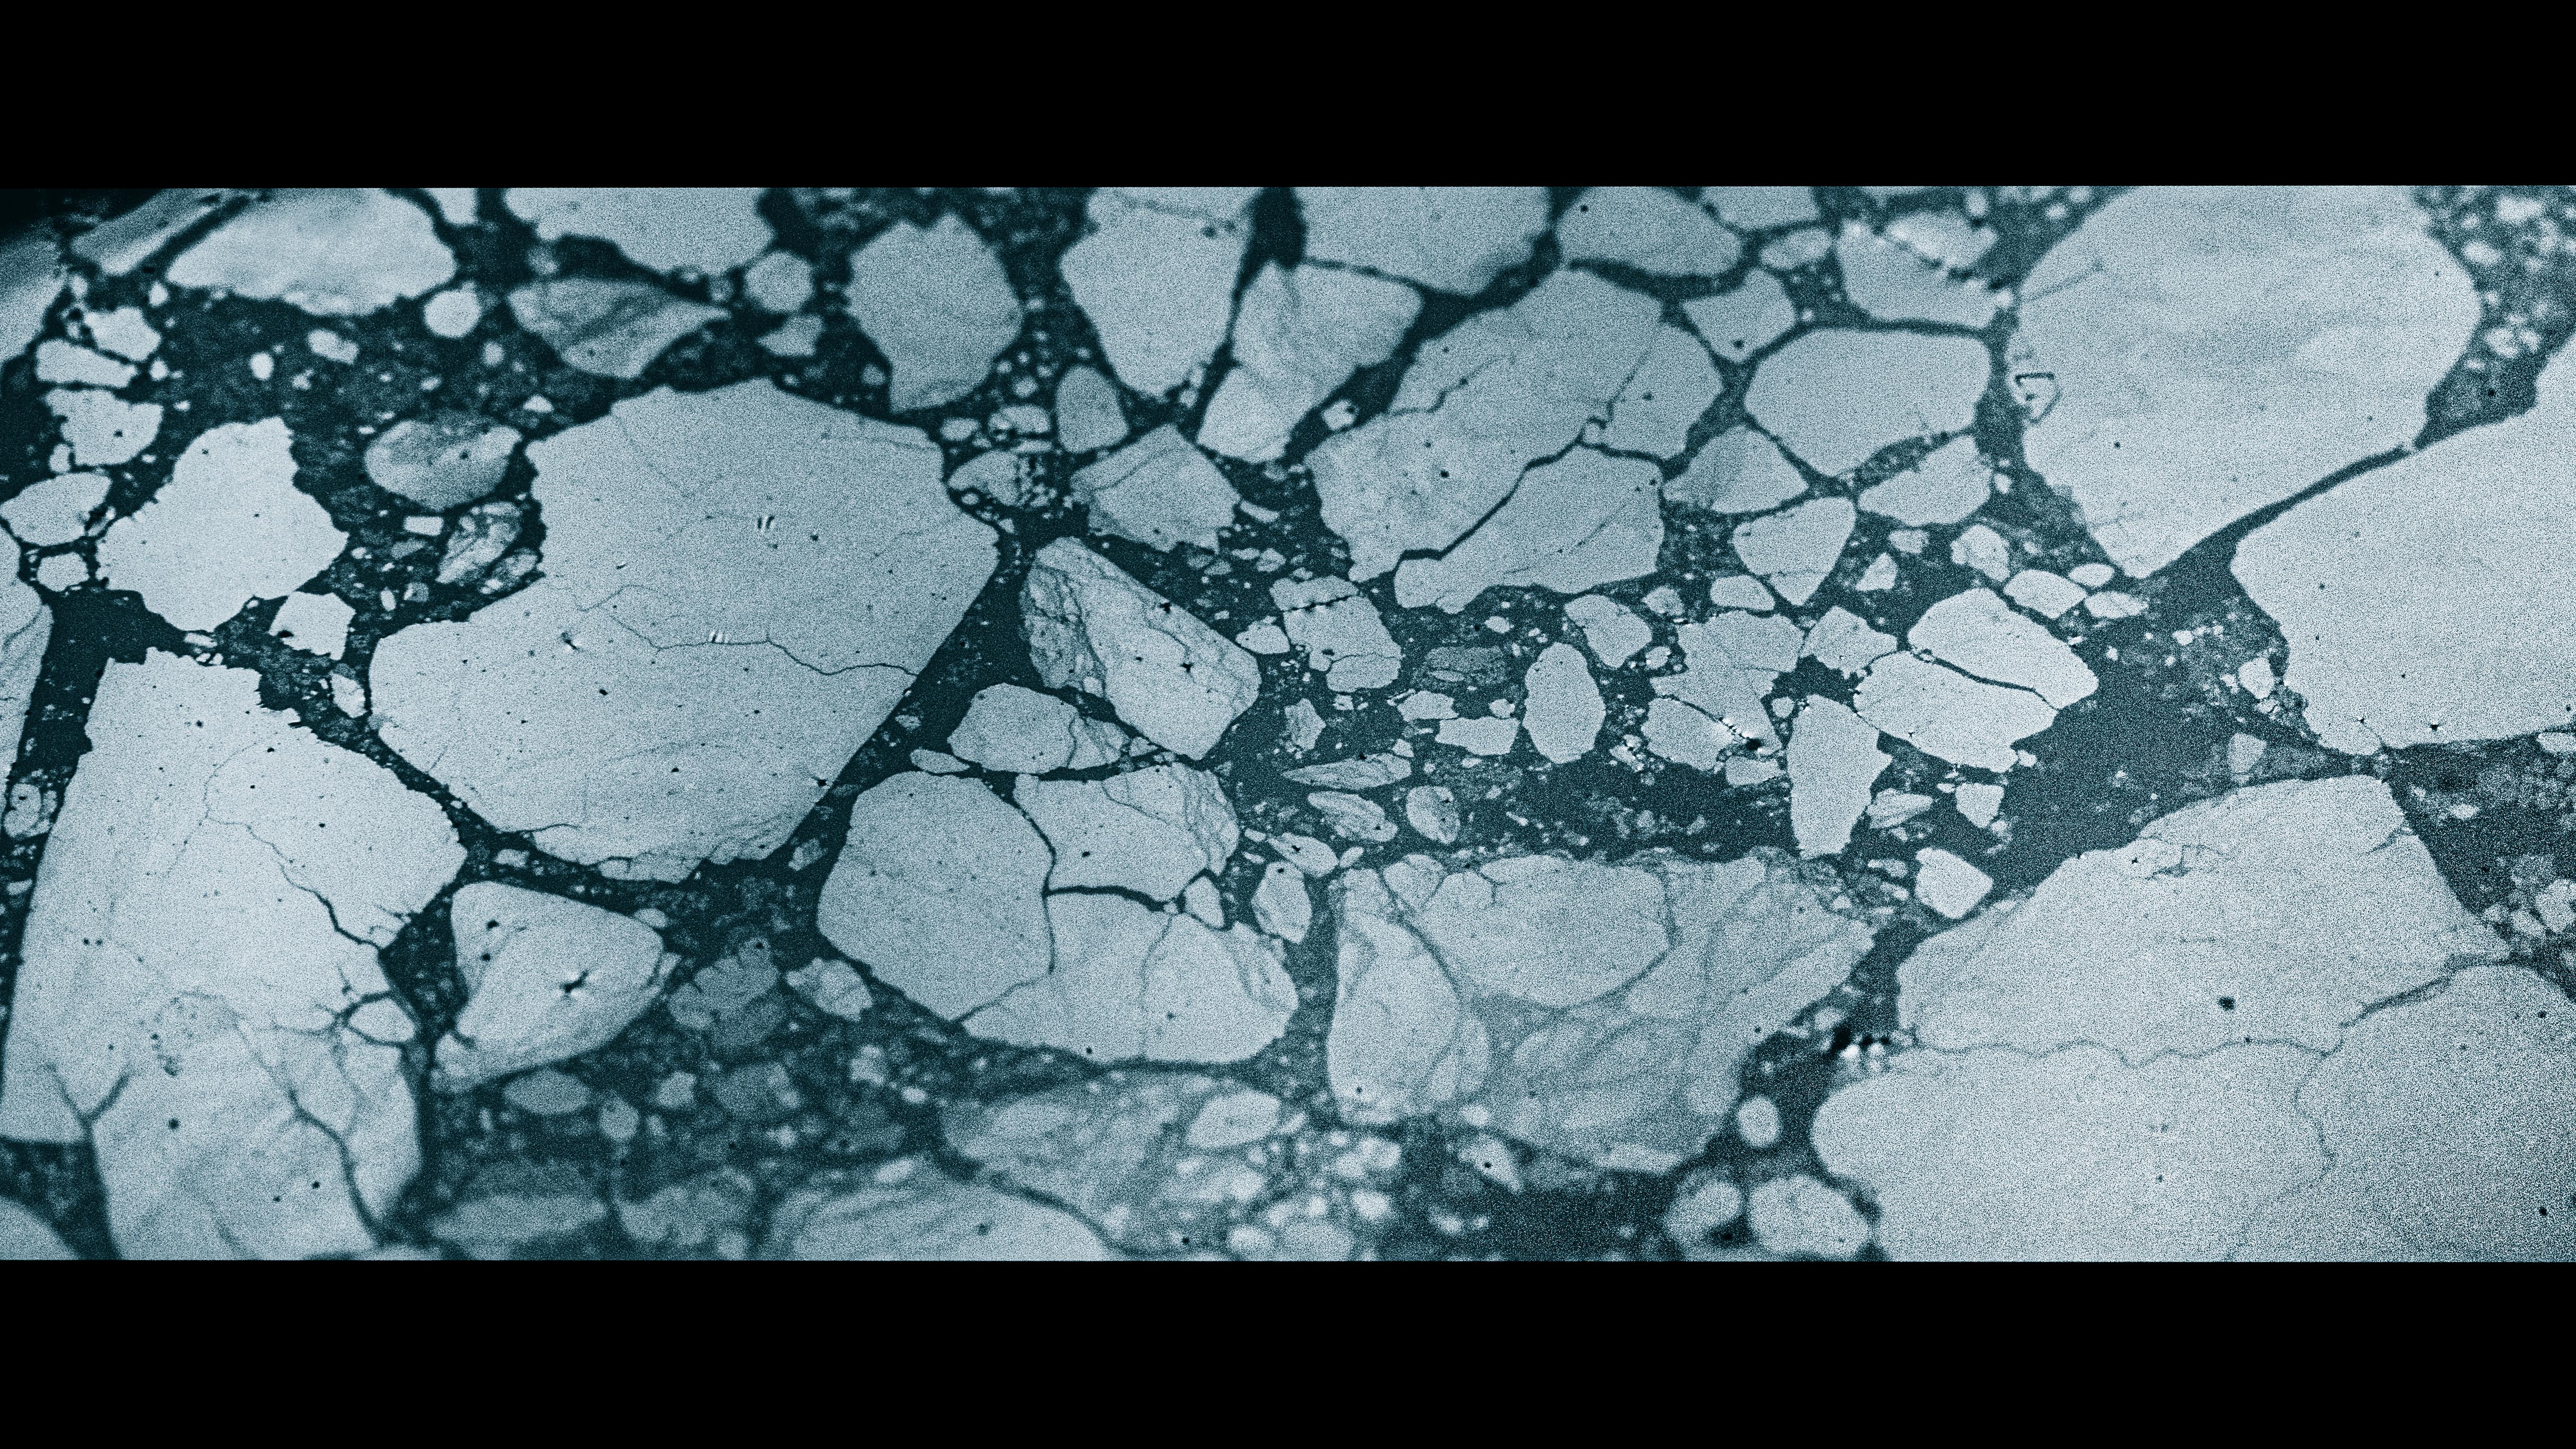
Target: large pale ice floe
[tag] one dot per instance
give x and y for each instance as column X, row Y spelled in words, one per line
column 666, row 228
column 1836, row 397
column 201, row 1000
column 2217, row 349
column 936, row 302
column 1448, row 238
column 2409, row 621
column 1092, row 626
column 1341, row 632
column 230, row 527
column 332, row 253
column 1498, row 392
column 739, row 585
column 2277, row 978
column 1156, row 277
column 1298, row 335
column 1594, row 1009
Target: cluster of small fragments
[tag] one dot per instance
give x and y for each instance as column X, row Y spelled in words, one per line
column 1697, row 489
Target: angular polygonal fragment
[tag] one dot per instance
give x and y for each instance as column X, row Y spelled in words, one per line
column 936, row 302
column 1979, row 803
column 739, row 585
column 124, row 332
column 1795, row 550
column 833, row 987
column 1563, row 707
column 1482, row 402
column 1949, row 884
column 2043, row 593
column 1352, row 817
column 2217, row 349
column 2278, row 912
column 1648, row 228
column 549, row 979
column 1132, row 982
column 1738, row 471
column 314, row 623
column 1733, row 661
column 1585, row 520
column 1297, row 336
column 1482, row 735
column 1280, row 904
column 1834, row 759
column 202, row 951
column 229, row 527
column 924, row 1217
column 1672, row 387
column 1943, row 712
column 2427, row 602
column 55, row 510
column 1890, row 808
column 1451, row 238
column 938, row 890
column 1950, row 483
column 666, row 228
column 1015, row 731
column 1087, row 412
column 1846, row 642
column 1895, row 283
column 1612, row 631
column 1156, row 277
column 1836, row 397
column 607, row 329
column 442, row 460
column 1159, row 491
column 102, row 431
column 1175, row 680
column 1148, row 831
column 332, row 253
column 1740, row 323
column 1981, row 634
column 1981, row 548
